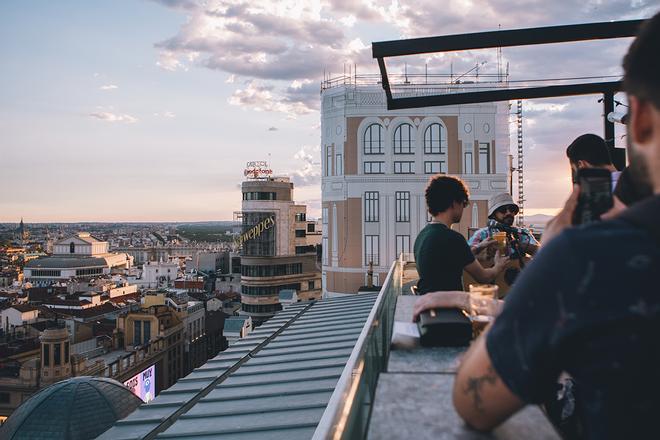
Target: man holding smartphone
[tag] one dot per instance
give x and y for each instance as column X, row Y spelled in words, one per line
column 588, row 304
column 589, row 151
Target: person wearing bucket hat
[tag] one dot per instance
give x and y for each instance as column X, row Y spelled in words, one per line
column 502, row 211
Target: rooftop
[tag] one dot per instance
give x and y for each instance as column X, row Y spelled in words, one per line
column 274, row 384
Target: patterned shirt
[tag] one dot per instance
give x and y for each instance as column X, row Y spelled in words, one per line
column 589, row 305
column 524, row 236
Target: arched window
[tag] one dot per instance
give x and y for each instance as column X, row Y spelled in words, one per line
column 403, row 139
column 433, row 139
column 72, row 248
column 373, row 139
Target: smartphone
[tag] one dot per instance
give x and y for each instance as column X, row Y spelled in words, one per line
column 595, row 195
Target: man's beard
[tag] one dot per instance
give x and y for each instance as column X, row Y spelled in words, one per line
column 508, row 220
column 639, row 171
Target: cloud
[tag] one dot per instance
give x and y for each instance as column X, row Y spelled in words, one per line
column 178, row 4
column 308, row 172
column 169, row 61
column 165, row 115
column 113, row 117
column 260, row 97
column 109, row 87
column 278, row 43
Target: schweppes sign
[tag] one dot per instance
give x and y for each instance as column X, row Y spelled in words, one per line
column 256, row 230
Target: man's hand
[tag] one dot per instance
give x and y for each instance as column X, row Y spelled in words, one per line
column 488, row 243
column 434, row 300
column 617, row 208
column 564, row 219
column 500, row 262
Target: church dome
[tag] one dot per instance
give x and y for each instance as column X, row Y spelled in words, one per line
column 77, row 408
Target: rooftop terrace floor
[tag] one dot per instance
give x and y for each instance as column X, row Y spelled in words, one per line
column 414, row 395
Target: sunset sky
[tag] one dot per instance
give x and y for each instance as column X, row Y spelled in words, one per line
column 148, row 110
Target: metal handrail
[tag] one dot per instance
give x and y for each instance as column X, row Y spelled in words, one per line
column 349, row 408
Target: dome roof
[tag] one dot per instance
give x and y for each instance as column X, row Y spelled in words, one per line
column 77, row 408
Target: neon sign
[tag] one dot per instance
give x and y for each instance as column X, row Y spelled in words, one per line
column 257, row 170
column 256, row 230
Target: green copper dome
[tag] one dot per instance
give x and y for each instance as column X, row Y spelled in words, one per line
column 76, row 409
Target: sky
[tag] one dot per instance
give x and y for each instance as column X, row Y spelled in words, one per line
column 148, row 110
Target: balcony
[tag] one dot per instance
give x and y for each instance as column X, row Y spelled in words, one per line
column 391, row 388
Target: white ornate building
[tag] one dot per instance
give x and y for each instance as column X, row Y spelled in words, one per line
column 376, row 164
column 80, row 256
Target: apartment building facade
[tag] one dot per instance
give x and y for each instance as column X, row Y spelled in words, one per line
column 376, row 164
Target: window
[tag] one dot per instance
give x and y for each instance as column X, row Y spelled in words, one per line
column 324, row 216
column 4, row 397
column 328, row 161
column 371, row 206
column 402, row 213
column 137, row 333
column 467, row 164
column 301, row 217
column 57, row 354
column 301, row 233
column 72, row 248
column 403, row 139
column 324, row 250
column 46, row 355
column 433, row 139
column 402, row 244
column 309, row 249
column 311, row 227
column 66, row 351
column 374, row 168
column 371, row 250
column 310, row 285
column 404, row 167
column 271, row 270
column 268, row 290
column 373, row 139
column 484, row 158
column 259, row 195
column 339, row 165
column 435, row 167
column 146, row 325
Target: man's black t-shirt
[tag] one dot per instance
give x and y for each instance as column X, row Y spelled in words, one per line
column 440, row 255
column 589, row 304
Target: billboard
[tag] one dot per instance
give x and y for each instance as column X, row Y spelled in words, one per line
column 143, row 384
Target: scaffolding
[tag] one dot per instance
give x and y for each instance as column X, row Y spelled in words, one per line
column 519, row 168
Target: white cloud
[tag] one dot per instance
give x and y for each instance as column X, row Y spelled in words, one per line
column 109, row 87
column 169, row 61
column 113, row 117
column 259, row 97
column 308, row 172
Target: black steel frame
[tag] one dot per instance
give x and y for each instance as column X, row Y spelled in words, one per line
column 509, row 38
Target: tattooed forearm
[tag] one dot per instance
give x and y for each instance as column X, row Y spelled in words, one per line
column 475, row 385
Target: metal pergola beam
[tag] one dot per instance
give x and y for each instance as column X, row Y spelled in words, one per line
column 504, row 95
column 507, row 38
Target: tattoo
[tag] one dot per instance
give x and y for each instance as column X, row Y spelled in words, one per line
column 475, row 384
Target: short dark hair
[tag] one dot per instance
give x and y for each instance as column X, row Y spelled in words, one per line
column 442, row 191
column 591, row 148
column 642, row 63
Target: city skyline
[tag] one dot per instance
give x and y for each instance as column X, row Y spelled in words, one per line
column 147, row 111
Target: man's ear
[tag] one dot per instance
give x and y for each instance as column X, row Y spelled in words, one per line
column 641, row 121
